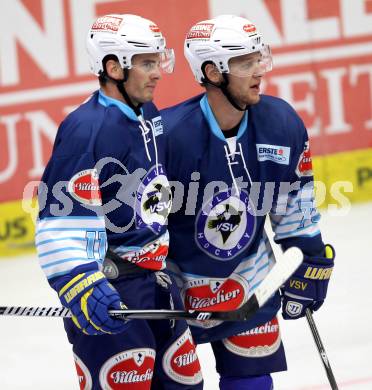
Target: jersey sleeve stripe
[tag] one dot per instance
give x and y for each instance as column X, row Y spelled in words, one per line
column 67, row 242
column 61, row 254
column 67, row 260
column 306, row 231
column 253, row 266
column 71, row 248
column 62, row 235
column 67, row 230
column 258, row 270
column 45, row 242
column 62, row 269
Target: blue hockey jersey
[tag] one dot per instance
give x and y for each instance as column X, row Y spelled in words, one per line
column 223, row 190
column 104, row 185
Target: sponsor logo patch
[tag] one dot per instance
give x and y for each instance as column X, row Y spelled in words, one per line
column 215, row 294
column 305, row 164
column 110, row 269
column 293, row 308
column 257, row 342
column 157, row 124
column 85, row 380
column 154, row 28
column 132, row 369
column 249, row 28
column 225, row 225
column 274, row 153
column 180, row 362
column 84, row 187
column 151, row 256
column 107, row 23
column 200, row 31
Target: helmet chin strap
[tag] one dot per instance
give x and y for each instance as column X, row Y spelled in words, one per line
column 223, row 87
column 123, row 92
column 225, row 91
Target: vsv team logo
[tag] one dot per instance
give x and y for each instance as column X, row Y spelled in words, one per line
column 153, row 200
column 225, row 225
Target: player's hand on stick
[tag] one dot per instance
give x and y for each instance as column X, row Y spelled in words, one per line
column 307, row 287
column 89, row 296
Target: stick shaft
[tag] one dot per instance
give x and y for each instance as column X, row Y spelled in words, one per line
column 321, row 349
column 62, row 312
column 276, row 277
column 245, row 312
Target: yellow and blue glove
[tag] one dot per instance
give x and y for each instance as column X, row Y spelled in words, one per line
column 89, row 296
column 307, row 287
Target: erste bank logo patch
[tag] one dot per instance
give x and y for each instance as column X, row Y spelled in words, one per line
column 157, row 125
column 275, row 153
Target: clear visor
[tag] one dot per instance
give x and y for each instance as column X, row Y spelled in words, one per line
column 162, row 62
column 252, row 64
column 167, row 61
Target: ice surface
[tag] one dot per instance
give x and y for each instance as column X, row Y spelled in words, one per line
column 35, row 354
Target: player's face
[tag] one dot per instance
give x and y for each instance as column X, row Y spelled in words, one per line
column 245, row 76
column 143, row 77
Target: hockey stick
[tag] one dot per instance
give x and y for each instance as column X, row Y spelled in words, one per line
column 322, row 352
column 281, row 271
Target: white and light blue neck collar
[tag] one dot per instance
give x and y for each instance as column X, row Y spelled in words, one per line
column 107, row 101
column 215, row 128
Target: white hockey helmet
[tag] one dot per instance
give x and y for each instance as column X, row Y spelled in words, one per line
column 125, row 35
column 222, row 38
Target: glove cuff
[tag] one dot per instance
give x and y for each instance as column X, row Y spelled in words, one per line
column 325, row 258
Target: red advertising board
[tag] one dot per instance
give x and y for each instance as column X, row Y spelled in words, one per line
column 322, row 66
column 44, row 73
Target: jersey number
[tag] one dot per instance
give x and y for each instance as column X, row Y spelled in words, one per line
column 101, row 239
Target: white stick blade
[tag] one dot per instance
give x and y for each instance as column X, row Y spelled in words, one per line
column 279, row 274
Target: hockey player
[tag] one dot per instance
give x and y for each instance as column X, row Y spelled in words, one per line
column 249, row 158
column 105, row 186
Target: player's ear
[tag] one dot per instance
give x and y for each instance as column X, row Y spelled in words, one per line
column 114, row 70
column 212, row 73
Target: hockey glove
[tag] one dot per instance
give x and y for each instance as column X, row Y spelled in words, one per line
column 307, row 287
column 89, row 296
